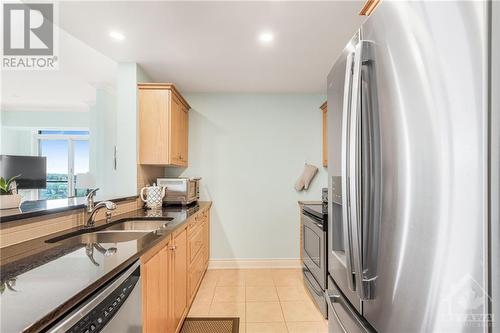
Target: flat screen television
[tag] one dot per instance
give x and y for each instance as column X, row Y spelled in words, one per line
column 33, row 170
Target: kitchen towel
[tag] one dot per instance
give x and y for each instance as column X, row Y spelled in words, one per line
column 306, row 177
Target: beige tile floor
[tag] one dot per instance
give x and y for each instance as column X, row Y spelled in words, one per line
column 265, row 300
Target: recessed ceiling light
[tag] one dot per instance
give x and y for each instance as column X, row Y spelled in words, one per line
column 116, row 35
column 266, row 37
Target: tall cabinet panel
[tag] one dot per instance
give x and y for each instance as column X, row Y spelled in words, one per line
column 180, row 277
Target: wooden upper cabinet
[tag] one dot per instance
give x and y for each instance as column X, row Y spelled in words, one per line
column 163, row 125
column 324, row 109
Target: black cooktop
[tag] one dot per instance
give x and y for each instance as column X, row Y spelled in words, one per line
column 319, row 211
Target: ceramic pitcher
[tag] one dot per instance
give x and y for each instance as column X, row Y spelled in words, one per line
column 153, row 196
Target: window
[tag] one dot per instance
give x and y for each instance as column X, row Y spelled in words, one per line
column 67, row 154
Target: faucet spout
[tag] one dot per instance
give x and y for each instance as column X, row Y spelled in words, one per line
column 110, row 206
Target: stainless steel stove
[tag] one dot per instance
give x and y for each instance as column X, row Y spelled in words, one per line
column 314, row 255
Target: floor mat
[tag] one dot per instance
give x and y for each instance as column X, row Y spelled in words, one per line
column 211, row 325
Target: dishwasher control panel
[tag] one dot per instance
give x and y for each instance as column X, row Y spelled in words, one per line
column 97, row 319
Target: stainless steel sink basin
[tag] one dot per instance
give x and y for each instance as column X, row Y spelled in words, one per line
column 106, row 237
column 138, row 225
column 116, row 232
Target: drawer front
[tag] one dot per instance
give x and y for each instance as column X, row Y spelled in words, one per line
column 196, row 221
column 195, row 274
column 195, row 244
column 206, row 241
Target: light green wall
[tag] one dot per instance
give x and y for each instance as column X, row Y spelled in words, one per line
column 18, row 127
column 45, row 119
column 16, row 141
column 249, row 150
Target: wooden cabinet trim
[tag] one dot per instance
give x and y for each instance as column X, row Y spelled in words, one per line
column 324, row 109
column 169, row 86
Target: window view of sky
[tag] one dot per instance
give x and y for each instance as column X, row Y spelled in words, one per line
column 56, row 152
column 58, row 161
column 57, row 155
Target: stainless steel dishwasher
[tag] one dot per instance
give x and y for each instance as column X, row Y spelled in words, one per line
column 114, row 308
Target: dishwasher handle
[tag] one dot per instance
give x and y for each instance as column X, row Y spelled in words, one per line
column 95, row 313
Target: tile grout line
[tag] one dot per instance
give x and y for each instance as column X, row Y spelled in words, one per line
column 213, row 295
column 279, row 301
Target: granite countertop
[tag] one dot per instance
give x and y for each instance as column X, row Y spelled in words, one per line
column 41, row 281
column 33, row 208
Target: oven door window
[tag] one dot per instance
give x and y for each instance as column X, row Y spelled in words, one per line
column 312, row 245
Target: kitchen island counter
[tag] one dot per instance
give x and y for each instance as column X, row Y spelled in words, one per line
column 41, row 281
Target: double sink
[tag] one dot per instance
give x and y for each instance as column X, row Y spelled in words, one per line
column 124, row 230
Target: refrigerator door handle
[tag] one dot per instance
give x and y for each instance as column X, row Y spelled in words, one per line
column 346, row 114
column 370, row 175
column 354, row 170
column 365, row 181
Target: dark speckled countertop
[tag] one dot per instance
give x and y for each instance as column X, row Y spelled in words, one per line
column 33, row 208
column 42, row 281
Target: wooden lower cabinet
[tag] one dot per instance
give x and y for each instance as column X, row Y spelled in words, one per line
column 179, row 275
column 171, row 274
column 156, row 293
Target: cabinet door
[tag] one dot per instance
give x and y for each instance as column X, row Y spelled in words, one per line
column 175, row 131
column 180, row 277
column 184, row 136
column 153, row 126
column 156, row 293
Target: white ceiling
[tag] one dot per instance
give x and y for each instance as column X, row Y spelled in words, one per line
column 212, row 46
column 72, row 87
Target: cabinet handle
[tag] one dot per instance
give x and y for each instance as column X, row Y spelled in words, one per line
column 173, row 248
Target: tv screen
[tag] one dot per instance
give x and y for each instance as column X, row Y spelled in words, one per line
column 33, row 170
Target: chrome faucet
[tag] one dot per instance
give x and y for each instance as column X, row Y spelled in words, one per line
column 90, row 200
column 110, row 206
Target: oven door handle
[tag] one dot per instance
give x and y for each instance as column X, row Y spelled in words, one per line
column 310, row 276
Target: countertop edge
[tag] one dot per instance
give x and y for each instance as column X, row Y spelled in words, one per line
column 37, row 213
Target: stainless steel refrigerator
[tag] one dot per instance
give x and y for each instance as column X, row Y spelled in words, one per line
column 410, row 126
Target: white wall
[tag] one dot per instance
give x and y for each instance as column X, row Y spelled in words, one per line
column 129, row 74
column 250, row 149
column 102, row 142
